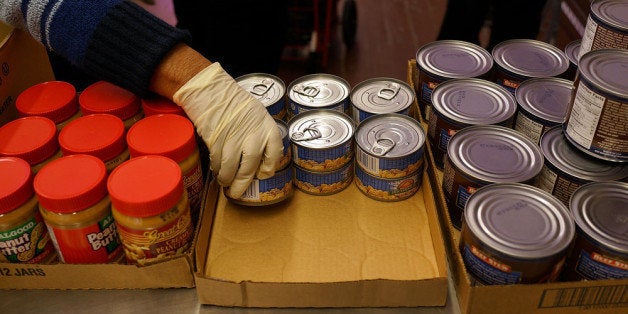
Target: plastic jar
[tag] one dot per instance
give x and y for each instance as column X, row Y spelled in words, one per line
column 161, row 105
column 100, row 135
column 33, row 139
column 171, row 136
column 73, row 200
column 23, row 234
column 151, row 208
column 55, row 100
column 104, row 97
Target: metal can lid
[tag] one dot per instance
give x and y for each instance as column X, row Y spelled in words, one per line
column 283, row 128
column 473, row 101
column 450, row 59
column 606, row 69
column 599, row 210
column 547, row 98
column 320, row 129
column 267, row 88
column 390, row 135
column 494, row 154
column 519, row 220
column 558, row 151
column 572, row 51
column 614, row 13
column 318, row 90
column 530, row 58
column 382, row 95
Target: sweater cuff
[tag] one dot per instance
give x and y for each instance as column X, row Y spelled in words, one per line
column 128, row 45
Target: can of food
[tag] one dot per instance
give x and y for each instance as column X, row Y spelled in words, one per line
column 318, row 91
column 322, row 140
column 596, row 119
column 268, row 89
column 388, row 189
column 441, row 60
column 566, row 168
column 519, row 59
column 459, row 103
column 541, row 104
column 286, row 157
column 572, row 51
column 483, row 154
column 390, row 145
column 515, row 234
column 380, row 96
column 323, row 183
column 607, row 26
column 600, row 250
column 268, row 191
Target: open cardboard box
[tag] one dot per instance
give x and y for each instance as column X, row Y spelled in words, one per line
column 340, row 250
column 603, row 296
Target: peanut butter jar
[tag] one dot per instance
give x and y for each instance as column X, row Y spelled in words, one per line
column 56, row 100
column 104, row 97
column 33, row 139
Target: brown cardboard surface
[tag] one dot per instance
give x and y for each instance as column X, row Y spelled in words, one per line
column 603, row 296
column 340, row 250
column 23, row 63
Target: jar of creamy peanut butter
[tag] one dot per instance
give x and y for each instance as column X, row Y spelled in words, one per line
column 33, row 139
column 104, row 97
column 151, row 209
column 72, row 193
column 56, row 100
column 23, row 234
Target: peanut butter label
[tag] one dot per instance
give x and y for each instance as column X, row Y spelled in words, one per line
column 26, row 243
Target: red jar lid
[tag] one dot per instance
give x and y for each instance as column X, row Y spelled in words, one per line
column 100, row 135
column 104, row 97
column 167, row 135
column 33, row 139
column 16, row 183
column 161, row 105
column 55, row 100
column 71, row 183
column 145, row 186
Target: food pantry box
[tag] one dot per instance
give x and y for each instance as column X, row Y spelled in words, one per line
column 340, row 250
column 604, row 296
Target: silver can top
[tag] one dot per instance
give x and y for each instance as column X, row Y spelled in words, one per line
column 283, row 128
column 449, row 59
column 321, row 129
column 519, row 220
column 390, row 135
column 473, row 101
column 318, row 90
column 382, row 95
column 600, row 210
column 572, row 51
column 558, row 151
column 530, row 58
column 267, row 88
column 547, row 98
column 614, row 13
column 494, row 154
column 606, row 69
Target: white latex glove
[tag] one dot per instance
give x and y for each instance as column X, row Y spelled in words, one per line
column 243, row 139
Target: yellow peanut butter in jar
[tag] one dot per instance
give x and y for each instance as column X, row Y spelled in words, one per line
column 171, row 136
column 151, row 209
column 73, row 201
column 55, row 100
column 101, row 135
column 23, row 234
column 32, row 138
column 104, row 97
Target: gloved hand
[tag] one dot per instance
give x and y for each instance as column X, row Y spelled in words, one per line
column 243, row 139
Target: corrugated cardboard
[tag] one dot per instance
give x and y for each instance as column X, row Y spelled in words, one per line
column 603, row 296
column 23, row 63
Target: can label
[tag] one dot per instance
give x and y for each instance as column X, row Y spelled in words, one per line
column 389, row 167
column 145, row 246
column 96, row 243
column 387, row 189
column 323, row 183
column 488, row 269
column 270, row 190
column 557, row 185
column 193, row 183
column 596, row 266
column 26, row 243
column 598, row 36
column 530, row 128
column 427, row 84
column 322, row 159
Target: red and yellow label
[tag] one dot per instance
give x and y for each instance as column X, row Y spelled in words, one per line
column 27, row 243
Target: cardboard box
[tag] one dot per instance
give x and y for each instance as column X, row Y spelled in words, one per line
column 23, row 63
column 603, row 296
column 340, row 250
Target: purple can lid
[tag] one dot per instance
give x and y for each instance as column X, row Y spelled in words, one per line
column 606, row 69
column 572, row 51
column 600, row 211
column 547, row 98
column 614, row 13
column 530, row 58
column 449, row 59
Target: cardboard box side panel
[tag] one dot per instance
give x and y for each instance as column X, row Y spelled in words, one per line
column 24, row 62
column 201, row 246
column 371, row 293
column 97, row 276
column 437, row 235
